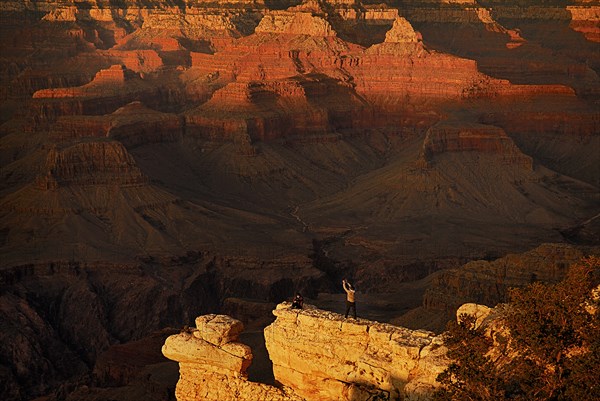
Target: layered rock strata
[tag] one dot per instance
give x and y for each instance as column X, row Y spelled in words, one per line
column 537, row 43
column 462, row 137
column 295, row 23
column 132, row 125
column 91, row 163
column 115, row 75
column 109, row 90
column 488, row 282
column 276, row 109
column 316, row 355
column 309, row 92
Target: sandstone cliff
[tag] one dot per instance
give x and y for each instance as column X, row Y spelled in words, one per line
column 316, row 355
column 295, row 23
column 325, row 357
column 213, row 363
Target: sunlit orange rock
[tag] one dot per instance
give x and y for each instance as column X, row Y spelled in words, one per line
column 316, row 355
column 323, row 356
column 115, row 75
column 213, row 364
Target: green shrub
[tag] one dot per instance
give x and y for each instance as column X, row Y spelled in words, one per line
column 551, row 351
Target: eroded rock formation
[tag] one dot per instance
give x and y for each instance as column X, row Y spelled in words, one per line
column 213, row 363
column 132, row 125
column 316, row 355
column 294, row 23
column 459, row 137
column 94, row 163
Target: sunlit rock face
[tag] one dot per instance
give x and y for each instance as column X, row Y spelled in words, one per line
column 295, row 23
column 213, row 363
column 323, row 356
column 402, row 32
column 316, row 355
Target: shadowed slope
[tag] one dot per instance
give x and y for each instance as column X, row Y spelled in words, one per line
column 413, row 207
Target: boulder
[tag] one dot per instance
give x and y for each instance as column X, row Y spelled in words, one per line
column 218, row 329
column 187, row 348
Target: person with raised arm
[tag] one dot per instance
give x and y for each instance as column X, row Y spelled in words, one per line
column 350, row 300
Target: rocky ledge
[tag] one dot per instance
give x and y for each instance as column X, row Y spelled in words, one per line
column 316, row 355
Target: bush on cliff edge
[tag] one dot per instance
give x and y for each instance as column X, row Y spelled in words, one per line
column 548, row 349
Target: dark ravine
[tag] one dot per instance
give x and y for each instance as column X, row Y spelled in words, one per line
column 59, row 317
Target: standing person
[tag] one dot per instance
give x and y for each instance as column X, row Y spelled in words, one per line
column 350, row 303
column 298, row 301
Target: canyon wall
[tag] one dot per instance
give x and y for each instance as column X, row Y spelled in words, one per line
column 60, row 318
column 295, row 142
column 488, row 282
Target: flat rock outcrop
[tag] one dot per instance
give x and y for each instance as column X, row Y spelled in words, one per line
column 323, row 356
